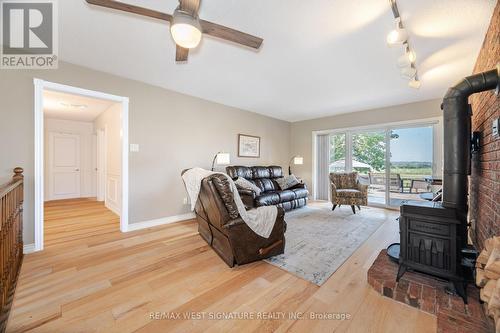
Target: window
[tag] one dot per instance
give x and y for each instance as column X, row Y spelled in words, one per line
column 398, row 163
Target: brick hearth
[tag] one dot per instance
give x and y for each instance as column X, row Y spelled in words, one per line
column 428, row 294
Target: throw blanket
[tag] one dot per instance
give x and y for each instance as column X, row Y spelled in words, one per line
column 260, row 220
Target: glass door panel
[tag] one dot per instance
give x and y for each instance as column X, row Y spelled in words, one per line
column 411, row 161
column 338, row 153
column 368, row 159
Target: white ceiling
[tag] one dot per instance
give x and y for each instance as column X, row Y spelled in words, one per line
column 73, row 107
column 319, row 57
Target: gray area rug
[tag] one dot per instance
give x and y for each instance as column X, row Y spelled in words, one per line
column 318, row 241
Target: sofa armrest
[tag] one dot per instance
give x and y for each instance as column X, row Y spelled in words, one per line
column 234, row 223
column 246, row 192
column 248, row 197
column 280, row 219
column 300, row 185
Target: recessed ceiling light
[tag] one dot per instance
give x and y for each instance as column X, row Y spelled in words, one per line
column 73, row 106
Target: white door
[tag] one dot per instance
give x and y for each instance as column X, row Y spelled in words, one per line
column 64, row 166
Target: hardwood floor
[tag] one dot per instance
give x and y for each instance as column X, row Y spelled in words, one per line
column 93, row 278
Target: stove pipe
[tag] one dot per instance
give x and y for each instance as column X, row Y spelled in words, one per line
column 457, row 136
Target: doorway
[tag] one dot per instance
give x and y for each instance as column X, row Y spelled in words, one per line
column 73, row 160
column 63, row 160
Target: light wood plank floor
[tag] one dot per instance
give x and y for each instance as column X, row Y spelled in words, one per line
column 93, row 278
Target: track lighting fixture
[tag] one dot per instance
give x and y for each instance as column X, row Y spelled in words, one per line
column 414, row 83
column 408, row 72
column 406, row 61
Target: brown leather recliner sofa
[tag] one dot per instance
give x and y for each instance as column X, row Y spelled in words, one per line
column 221, row 226
column 271, row 194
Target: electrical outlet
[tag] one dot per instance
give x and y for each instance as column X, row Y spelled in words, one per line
column 134, row 147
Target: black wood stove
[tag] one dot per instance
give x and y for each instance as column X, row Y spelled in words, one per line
column 434, row 234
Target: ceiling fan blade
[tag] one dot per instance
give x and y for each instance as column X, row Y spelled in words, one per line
column 181, row 53
column 131, row 9
column 229, row 34
column 191, row 6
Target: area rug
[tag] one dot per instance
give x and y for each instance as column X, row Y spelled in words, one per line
column 318, row 241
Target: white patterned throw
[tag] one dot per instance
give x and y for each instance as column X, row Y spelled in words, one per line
column 261, row 220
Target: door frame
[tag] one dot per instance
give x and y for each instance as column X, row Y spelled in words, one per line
column 437, row 123
column 101, row 165
column 50, row 155
column 40, row 86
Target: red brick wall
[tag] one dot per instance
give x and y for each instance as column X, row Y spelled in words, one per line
column 485, row 178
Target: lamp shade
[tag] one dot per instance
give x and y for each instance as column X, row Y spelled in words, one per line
column 185, row 29
column 223, row 159
column 298, row 160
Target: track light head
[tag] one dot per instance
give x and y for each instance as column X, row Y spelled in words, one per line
column 414, row 83
column 408, row 72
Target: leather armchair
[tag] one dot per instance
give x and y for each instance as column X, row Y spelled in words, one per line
column 346, row 190
column 221, row 226
column 271, row 194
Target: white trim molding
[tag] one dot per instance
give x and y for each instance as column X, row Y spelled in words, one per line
column 160, row 221
column 40, row 86
column 29, row 248
column 39, row 158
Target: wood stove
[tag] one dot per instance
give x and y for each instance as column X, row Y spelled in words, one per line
column 431, row 241
column 434, row 234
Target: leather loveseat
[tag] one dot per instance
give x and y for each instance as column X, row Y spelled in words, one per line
column 221, row 226
column 265, row 177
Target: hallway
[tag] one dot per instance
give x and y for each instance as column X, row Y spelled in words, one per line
column 76, row 220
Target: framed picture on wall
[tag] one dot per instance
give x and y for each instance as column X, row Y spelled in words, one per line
column 248, row 145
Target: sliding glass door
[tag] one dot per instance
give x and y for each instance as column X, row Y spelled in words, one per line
column 411, row 162
column 368, row 159
column 338, row 153
column 396, row 162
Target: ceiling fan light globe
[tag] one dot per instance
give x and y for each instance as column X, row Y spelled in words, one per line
column 186, row 35
column 185, row 30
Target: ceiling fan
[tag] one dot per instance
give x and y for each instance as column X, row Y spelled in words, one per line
column 185, row 26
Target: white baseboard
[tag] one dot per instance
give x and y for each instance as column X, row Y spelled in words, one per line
column 112, row 208
column 160, row 221
column 29, row 248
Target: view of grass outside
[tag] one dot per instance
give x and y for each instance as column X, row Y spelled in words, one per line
column 411, row 152
column 412, row 172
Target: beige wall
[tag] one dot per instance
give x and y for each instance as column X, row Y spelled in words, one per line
column 301, row 132
column 174, row 132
